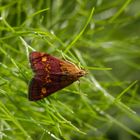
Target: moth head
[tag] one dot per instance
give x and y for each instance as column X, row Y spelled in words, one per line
column 82, row 73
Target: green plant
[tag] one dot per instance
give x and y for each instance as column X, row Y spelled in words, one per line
column 103, row 38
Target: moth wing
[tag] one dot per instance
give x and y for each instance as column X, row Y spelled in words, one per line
column 51, row 75
column 34, row 92
column 43, row 63
column 39, row 89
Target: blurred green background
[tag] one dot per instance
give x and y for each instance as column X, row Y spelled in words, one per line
column 101, row 36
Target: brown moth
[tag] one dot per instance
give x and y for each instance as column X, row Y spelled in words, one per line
column 51, row 74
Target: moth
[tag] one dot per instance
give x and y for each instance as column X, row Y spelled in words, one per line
column 50, row 75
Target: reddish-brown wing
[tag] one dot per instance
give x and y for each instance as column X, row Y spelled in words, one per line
column 43, row 63
column 38, row 89
column 51, row 74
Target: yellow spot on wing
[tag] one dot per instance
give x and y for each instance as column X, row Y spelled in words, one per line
column 43, row 90
column 47, row 68
column 44, row 58
column 47, row 79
